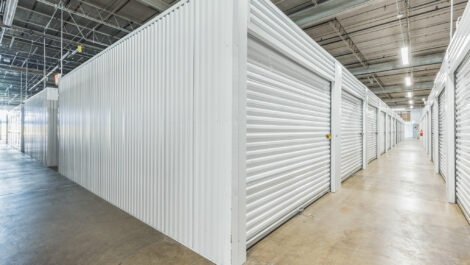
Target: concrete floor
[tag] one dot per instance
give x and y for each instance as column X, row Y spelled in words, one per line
column 47, row 219
column 394, row 212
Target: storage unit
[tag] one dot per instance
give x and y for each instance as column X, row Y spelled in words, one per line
column 442, row 135
column 371, row 133
column 288, row 155
column 351, row 135
column 435, row 131
column 40, row 126
column 389, row 132
column 462, row 137
column 382, row 132
column 212, row 131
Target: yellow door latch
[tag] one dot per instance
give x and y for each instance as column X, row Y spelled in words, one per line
column 328, row 136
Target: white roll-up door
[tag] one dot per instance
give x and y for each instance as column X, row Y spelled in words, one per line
column 351, row 135
column 462, row 135
column 388, row 132
column 371, row 133
column 435, row 130
column 442, row 135
column 431, row 126
column 381, row 128
column 288, row 153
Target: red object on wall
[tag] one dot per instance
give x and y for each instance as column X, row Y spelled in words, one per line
column 421, row 133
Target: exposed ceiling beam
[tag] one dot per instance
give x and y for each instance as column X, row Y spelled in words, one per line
column 344, row 36
column 416, row 100
column 397, row 65
column 159, row 5
column 19, row 69
column 327, row 10
column 400, row 89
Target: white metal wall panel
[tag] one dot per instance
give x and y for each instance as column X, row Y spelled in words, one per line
column 148, row 125
column 387, row 132
column 352, row 85
column 381, row 129
column 372, row 99
column 269, row 24
column 40, row 128
column 462, row 135
column 351, row 135
column 288, row 155
column 435, row 131
column 14, row 127
column 442, row 135
column 371, row 133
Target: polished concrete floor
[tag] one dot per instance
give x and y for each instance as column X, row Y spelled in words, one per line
column 394, row 212
column 46, row 219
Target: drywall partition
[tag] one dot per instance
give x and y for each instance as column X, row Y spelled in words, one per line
column 40, row 128
column 153, row 125
column 15, row 127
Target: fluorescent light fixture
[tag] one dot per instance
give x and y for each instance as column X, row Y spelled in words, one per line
column 10, row 9
column 411, row 107
column 404, row 56
column 411, row 101
column 409, row 94
column 424, row 99
column 408, row 81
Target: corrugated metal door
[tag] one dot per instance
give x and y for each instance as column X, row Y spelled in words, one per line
column 462, row 135
column 288, row 153
column 442, row 135
column 389, row 132
column 382, row 133
column 351, row 135
column 435, row 130
column 371, row 133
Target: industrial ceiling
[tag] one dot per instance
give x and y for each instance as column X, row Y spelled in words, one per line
column 364, row 35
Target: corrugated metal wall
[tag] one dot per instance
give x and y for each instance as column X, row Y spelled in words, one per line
column 14, row 127
column 442, row 135
column 148, row 125
column 371, row 133
column 435, row 131
column 462, row 135
column 40, row 128
column 382, row 132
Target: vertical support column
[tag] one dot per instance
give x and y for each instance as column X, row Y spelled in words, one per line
column 450, row 120
column 365, row 107
column 336, row 129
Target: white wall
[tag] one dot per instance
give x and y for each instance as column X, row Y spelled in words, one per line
column 40, row 127
column 150, row 125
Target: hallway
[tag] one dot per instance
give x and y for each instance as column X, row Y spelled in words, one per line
column 394, row 212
